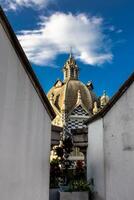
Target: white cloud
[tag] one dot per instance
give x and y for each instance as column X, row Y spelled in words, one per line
column 114, row 29
column 119, row 31
column 14, row 4
column 58, row 32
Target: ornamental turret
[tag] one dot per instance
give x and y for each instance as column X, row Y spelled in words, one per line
column 72, row 100
column 70, row 69
column 104, row 99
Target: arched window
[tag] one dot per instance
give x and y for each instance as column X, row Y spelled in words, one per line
column 72, row 72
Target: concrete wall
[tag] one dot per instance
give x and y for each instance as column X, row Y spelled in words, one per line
column 117, row 137
column 119, row 148
column 25, row 129
column 95, row 157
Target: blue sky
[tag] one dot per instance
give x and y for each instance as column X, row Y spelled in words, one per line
column 100, row 32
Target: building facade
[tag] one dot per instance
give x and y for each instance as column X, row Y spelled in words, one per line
column 110, row 154
column 25, row 124
column 74, row 103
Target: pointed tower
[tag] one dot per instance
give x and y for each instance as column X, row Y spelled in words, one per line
column 104, row 99
column 72, row 100
column 70, row 69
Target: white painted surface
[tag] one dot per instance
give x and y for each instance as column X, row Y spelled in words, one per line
column 74, row 196
column 119, row 148
column 118, row 137
column 25, row 129
column 95, row 157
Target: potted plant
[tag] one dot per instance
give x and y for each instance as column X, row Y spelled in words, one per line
column 78, row 190
column 72, row 183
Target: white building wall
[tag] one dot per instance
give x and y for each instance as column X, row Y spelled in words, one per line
column 95, row 157
column 119, row 148
column 25, row 130
column 111, row 150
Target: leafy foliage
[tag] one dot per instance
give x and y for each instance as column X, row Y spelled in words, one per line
column 68, row 145
column 80, row 170
column 79, row 185
column 59, row 152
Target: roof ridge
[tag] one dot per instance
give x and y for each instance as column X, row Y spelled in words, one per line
column 113, row 100
column 65, row 91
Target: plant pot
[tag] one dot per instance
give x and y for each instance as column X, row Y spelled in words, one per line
column 74, row 195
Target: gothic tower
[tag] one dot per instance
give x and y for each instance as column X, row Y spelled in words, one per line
column 73, row 101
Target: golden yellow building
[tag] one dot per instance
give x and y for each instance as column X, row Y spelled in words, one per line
column 73, row 101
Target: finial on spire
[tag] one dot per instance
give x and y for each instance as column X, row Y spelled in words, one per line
column 51, row 98
column 104, row 99
column 104, row 92
column 79, row 99
column 95, row 108
column 90, row 85
column 71, row 52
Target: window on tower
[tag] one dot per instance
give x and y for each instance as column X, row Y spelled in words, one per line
column 72, row 72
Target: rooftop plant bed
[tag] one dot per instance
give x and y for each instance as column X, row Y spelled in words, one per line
column 71, row 183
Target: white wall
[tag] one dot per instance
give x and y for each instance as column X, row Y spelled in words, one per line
column 25, row 130
column 95, row 157
column 119, row 148
column 113, row 136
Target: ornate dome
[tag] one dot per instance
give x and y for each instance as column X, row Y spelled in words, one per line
column 63, row 95
column 66, row 94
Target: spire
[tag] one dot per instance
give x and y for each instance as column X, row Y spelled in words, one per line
column 95, row 108
column 104, row 99
column 70, row 68
column 79, row 99
column 71, row 53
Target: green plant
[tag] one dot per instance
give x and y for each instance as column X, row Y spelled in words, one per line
column 79, row 185
column 80, row 170
column 59, row 152
column 68, row 144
